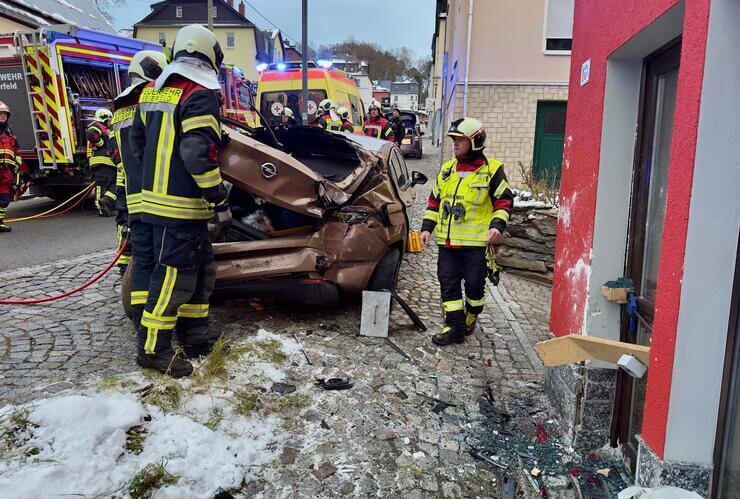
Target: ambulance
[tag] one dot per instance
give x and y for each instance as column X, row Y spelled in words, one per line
column 280, row 84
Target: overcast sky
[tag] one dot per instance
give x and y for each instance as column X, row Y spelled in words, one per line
column 390, row 23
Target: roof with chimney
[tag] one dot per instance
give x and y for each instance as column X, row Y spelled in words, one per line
column 164, row 14
column 38, row 13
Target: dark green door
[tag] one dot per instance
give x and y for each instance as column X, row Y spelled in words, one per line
column 548, row 141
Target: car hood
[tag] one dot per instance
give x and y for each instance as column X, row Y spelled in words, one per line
column 281, row 179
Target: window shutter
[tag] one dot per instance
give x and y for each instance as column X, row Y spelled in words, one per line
column 559, row 19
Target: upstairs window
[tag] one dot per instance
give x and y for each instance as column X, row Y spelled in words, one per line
column 558, row 26
column 162, row 38
column 215, row 11
column 229, row 39
column 178, row 12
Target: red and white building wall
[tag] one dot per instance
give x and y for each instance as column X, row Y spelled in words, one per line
column 702, row 221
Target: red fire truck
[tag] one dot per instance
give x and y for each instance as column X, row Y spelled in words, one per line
column 54, row 79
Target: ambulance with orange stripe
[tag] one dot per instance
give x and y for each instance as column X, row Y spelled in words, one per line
column 54, row 79
column 281, row 84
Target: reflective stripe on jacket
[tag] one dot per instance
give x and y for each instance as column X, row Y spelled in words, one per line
column 129, row 177
column 103, row 144
column 463, row 207
column 176, row 136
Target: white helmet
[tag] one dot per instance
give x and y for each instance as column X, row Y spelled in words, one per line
column 470, row 128
column 287, row 112
column 374, row 105
column 343, row 113
column 196, row 40
column 326, row 105
column 103, row 114
column 146, row 65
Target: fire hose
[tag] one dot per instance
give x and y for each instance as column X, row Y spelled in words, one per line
column 49, row 213
column 90, row 282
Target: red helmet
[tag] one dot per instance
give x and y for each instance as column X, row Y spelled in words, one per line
column 4, row 108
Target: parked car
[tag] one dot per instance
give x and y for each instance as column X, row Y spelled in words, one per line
column 322, row 217
column 411, row 142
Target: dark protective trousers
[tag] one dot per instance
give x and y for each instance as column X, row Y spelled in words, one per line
column 179, row 287
column 455, row 265
column 105, row 189
column 143, row 260
column 4, row 203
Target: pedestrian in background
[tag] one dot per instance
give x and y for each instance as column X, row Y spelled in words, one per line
column 467, row 210
column 399, row 128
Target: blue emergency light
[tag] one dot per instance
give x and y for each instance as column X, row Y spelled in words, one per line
column 281, row 66
column 261, row 66
column 323, row 63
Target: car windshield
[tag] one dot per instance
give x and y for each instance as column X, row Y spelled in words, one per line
column 272, row 104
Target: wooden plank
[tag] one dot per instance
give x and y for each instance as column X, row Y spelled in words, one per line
column 578, row 348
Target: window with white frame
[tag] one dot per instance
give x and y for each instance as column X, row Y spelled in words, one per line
column 162, row 38
column 229, row 39
column 178, row 11
column 215, row 11
column 558, row 26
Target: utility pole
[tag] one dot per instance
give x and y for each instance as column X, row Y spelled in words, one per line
column 210, row 15
column 304, row 61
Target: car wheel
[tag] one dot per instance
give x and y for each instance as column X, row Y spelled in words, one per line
column 385, row 275
column 126, row 283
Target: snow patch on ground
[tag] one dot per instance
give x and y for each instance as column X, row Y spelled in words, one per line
column 75, row 444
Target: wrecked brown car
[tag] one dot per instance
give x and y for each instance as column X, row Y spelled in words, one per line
column 318, row 215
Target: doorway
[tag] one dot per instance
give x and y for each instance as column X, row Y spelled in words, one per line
column 646, row 220
column 549, row 135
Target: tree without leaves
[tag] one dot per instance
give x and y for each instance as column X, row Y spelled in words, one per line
column 383, row 64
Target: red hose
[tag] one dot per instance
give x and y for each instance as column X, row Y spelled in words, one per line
column 69, row 208
column 76, row 290
column 48, row 214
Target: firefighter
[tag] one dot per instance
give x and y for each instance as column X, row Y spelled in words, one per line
column 347, row 125
column 144, row 67
column 10, row 164
column 327, row 116
column 467, row 210
column 103, row 162
column 399, row 129
column 377, row 126
column 286, row 117
column 176, row 136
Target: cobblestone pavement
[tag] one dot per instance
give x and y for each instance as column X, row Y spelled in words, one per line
column 389, row 426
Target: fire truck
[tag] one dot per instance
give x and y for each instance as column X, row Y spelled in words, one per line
column 54, row 79
column 238, row 95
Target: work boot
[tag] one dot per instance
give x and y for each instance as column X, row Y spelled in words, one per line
column 4, row 228
column 166, row 361
column 471, row 321
column 448, row 336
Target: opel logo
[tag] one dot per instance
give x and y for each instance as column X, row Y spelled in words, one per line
column 269, row 170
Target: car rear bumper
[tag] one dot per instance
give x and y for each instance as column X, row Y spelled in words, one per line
column 304, row 290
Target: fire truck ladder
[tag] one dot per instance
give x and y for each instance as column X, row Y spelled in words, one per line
column 30, row 44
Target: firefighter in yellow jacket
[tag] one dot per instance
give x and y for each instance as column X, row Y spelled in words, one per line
column 176, row 136
column 467, row 210
column 103, row 162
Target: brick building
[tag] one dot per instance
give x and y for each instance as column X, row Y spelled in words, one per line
column 511, row 73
